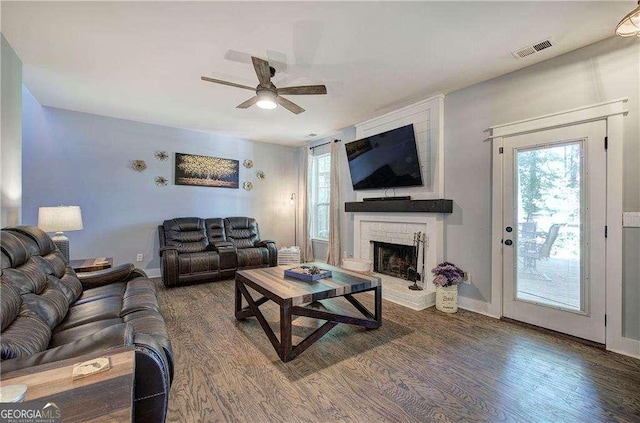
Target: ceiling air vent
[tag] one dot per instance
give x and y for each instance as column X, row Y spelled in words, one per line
column 532, row 49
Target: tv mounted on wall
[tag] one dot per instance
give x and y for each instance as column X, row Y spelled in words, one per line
column 386, row 160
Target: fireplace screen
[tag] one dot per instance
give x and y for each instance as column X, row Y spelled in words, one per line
column 394, row 260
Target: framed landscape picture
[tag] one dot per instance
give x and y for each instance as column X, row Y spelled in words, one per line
column 206, row 171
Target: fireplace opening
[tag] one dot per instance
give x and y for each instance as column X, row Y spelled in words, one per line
column 394, row 260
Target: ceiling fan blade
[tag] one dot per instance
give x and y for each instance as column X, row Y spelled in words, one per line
column 303, row 90
column 262, row 70
column 231, row 84
column 289, row 105
column 247, row 103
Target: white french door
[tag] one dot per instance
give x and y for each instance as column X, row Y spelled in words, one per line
column 554, row 217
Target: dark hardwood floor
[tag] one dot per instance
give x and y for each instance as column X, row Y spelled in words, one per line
column 420, row 366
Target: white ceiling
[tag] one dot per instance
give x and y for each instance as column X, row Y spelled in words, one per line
column 143, row 61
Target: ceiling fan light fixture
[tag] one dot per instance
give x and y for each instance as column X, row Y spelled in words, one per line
column 266, row 100
column 629, row 26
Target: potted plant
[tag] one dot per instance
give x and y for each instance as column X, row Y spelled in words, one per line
column 447, row 278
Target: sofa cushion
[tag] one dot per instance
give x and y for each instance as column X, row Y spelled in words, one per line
column 92, row 311
column 37, row 242
column 13, row 249
column 138, row 302
column 110, row 337
column 215, row 230
column 242, row 231
column 187, row 234
column 28, row 278
column 206, row 261
column 10, row 302
column 250, row 257
column 69, row 285
column 51, row 305
column 111, row 290
column 73, row 334
column 27, row 334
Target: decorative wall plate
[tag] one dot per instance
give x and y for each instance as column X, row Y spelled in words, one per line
column 162, row 155
column 161, row 181
column 139, row 165
column 248, row 163
column 247, row 185
column 260, row 174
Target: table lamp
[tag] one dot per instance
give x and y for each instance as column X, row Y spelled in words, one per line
column 60, row 219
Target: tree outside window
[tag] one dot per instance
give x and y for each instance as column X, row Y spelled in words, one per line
column 320, row 195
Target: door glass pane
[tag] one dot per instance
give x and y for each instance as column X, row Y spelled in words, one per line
column 549, row 215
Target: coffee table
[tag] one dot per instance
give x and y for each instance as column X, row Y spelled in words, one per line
column 294, row 297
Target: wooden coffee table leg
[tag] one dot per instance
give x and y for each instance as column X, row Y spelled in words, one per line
column 238, row 301
column 285, row 333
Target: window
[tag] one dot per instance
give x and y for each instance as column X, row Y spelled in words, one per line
column 320, row 194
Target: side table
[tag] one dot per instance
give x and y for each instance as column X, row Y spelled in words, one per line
column 102, row 397
column 91, row 264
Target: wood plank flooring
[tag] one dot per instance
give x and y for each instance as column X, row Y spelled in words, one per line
column 420, row 366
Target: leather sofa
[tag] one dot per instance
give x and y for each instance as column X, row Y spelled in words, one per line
column 202, row 250
column 50, row 314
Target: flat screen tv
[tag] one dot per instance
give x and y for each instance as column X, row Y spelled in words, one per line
column 386, row 160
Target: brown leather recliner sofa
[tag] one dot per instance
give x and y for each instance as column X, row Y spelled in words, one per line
column 203, row 250
column 50, row 314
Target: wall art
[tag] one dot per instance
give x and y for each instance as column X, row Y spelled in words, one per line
column 248, row 163
column 139, row 165
column 162, row 155
column 247, row 185
column 260, row 174
column 161, row 181
column 206, row 171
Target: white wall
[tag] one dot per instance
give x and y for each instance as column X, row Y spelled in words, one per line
column 603, row 71
column 80, row 159
column 11, row 136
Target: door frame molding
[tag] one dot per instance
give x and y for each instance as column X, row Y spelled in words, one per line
column 613, row 112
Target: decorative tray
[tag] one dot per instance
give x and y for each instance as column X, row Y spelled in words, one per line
column 304, row 273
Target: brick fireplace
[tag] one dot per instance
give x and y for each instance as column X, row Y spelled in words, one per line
column 399, row 228
column 395, row 260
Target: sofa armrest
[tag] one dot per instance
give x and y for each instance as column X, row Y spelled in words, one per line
column 169, row 265
column 273, row 251
column 154, row 373
column 167, row 248
column 120, row 273
column 228, row 255
column 217, row 246
column 115, row 336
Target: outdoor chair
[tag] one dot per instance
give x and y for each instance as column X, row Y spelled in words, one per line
column 533, row 250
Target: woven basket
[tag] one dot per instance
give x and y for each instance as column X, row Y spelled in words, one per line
column 447, row 298
column 289, row 255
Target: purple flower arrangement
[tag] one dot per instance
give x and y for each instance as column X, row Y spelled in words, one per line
column 447, row 274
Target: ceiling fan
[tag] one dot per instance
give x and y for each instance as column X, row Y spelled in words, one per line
column 267, row 95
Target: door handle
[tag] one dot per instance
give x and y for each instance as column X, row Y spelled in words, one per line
column 508, row 242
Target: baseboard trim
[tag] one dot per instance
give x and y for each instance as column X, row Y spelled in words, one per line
column 626, row 346
column 476, row 306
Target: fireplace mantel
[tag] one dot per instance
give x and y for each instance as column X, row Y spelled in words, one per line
column 401, row 206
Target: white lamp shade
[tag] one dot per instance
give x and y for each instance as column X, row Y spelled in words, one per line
column 266, row 100
column 629, row 26
column 60, row 219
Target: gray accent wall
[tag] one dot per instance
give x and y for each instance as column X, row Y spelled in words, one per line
column 607, row 70
column 11, row 135
column 73, row 158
